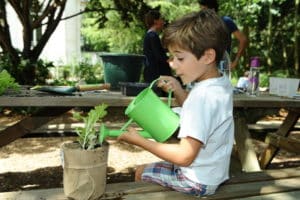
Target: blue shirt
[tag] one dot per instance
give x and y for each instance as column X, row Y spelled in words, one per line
column 231, row 26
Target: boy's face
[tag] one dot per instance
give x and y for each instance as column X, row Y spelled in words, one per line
column 159, row 23
column 188, row 67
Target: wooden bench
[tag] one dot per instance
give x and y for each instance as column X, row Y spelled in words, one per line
column 269, row 184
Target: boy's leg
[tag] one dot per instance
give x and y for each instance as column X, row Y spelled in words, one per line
column 168, row 175
column 139, row 172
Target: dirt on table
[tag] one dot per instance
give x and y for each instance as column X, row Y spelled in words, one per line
column 34, row 162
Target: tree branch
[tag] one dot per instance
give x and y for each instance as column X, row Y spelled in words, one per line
column 48, row 9
column 52, row 24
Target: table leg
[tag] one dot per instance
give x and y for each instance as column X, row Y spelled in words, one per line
column 284, row 130
column 29, row 124
column 244, row 144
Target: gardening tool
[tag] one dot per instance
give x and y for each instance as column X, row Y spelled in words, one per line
column 156, row 118
column 68, row 90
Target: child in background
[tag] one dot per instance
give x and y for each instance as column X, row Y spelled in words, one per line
column 156, row 62
column 199, row 162
column 243, row 81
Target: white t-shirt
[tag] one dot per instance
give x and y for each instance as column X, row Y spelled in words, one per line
column 207, row 115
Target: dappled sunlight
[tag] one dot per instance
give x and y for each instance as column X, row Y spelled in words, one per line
column 28, row 154
column 281, row 184
column 33, row 195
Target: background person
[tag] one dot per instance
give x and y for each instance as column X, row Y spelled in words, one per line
column 156, row 62
column 232, row 28
column 199, row 162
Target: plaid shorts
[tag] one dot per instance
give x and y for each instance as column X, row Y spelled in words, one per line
column 169, row 175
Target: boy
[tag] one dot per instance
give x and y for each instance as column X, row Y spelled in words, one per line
column 199, row 162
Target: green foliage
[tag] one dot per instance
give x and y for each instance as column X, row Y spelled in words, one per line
column 82, row 71
column 7, row 82
column 26, row 68
column 118, row 26
column 172, row 10
column 88, row 136
column 88, row 72
column 269, row 25
column 263, row 80
column 93, row 38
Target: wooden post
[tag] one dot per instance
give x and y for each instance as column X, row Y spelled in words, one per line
column 29, row 124
column 244, row 144
column 289, row 144
column 284, row 130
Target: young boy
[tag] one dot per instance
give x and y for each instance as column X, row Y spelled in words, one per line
column 199, row 162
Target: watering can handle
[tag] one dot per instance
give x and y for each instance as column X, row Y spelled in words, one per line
column 169, row 92
column 151, row 85
column 126, row 124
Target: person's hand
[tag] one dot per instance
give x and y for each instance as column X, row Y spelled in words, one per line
column 131, row 136
column 168, row 83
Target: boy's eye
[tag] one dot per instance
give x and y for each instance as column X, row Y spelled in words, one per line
column 180, row 59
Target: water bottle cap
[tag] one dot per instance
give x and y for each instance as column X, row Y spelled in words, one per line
column 254, row 62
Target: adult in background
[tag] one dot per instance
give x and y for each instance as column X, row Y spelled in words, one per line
column 232, row 28
column 156, row 62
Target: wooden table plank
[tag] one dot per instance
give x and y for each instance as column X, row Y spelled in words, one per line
column 228, row 191
column 243, row 186
column 265, row 175
column 115, row 98
column 295, row 195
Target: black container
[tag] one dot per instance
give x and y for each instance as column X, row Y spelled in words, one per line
column 134, row 88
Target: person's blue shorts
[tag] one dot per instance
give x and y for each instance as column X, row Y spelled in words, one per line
column 169, row 175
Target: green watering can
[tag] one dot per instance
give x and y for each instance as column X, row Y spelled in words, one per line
column 155, row 117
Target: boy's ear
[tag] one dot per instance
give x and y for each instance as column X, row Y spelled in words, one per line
column 209, row 56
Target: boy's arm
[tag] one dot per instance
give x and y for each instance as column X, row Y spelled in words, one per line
column 182, row 153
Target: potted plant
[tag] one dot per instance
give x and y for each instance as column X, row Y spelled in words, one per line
column 85, row 161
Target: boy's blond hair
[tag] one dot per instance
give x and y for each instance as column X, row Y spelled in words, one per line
column 197, row 32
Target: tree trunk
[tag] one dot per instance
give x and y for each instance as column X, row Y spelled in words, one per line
column 31, row 17
column 269, row 44
column 5, row 39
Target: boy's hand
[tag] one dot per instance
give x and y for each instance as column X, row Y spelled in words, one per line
column 131, row 136
column 168, row 83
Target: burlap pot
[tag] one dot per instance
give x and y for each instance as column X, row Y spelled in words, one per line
column 84, row 176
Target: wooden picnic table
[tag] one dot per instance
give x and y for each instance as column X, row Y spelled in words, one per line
column 54, row 105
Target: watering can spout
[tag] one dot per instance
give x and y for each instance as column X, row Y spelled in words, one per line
column 105, row 132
